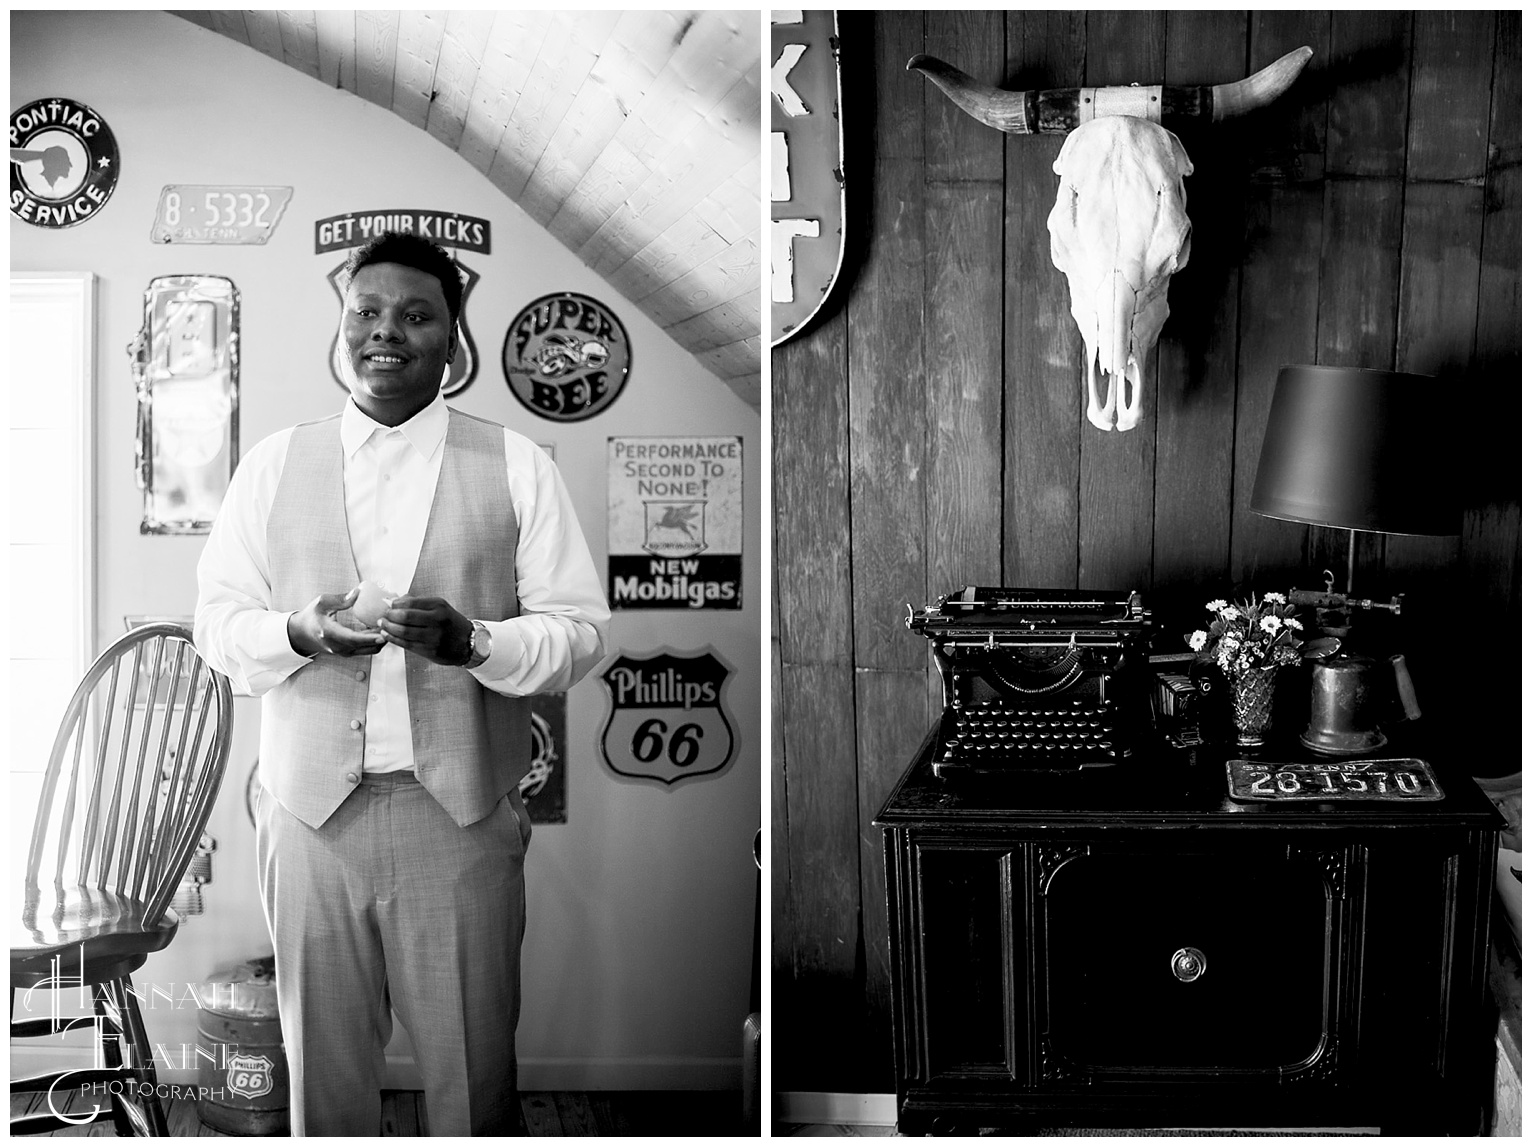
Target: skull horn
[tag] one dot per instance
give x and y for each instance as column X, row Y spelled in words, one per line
column 1064, row 109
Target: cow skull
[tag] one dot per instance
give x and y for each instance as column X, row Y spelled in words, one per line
column 1119, row 226
column 1119, row 231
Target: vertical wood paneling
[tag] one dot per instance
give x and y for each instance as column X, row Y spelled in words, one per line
column 1491, row 549
column 1197, row 349
column 1364, row 218
column 812, row 544
column 1279, row 286
column 935, row 420
column 1117, row 468
column 1447, row 151
column 889, row 383
column 964, row 215
column 1043, row 348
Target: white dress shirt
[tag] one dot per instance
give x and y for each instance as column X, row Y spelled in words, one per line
column 390, row 476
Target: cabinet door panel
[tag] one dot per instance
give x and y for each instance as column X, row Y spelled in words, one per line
column 1259, row 924
column 966, row 941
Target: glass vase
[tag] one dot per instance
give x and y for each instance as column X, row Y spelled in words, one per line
column 1254, row 692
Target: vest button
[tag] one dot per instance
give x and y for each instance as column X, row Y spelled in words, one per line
column 352, row 778
column 356, row 724
column 361, row 675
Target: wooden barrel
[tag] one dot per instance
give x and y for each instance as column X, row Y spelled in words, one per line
column 242, row 1064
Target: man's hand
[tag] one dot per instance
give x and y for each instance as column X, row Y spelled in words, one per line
column 430, row 627
column 316, row 629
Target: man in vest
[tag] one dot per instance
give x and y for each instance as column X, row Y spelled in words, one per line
column 391, row 831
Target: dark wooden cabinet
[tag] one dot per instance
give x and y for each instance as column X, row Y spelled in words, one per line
column 1128, row 947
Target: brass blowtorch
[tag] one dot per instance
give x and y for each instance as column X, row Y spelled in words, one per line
column 1342, row 709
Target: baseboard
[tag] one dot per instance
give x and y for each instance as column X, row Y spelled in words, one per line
column 638, row 1073
column 835, row 1108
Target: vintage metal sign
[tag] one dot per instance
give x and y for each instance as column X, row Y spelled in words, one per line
column 237, row 215
column 185, row 364
column 566, row 357
column 675, row 511
column 445, row 228
column 64, row 163
column 250, row 1076
column 1395, row 779
column 808, row 193
column 668, row 722
column 545, row 789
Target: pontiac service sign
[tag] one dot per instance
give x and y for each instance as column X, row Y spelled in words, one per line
column 64, row 163
column 675, row 523
column 808, row 199
column 668, row 722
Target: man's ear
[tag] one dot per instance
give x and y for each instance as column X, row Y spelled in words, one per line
column 452, row 344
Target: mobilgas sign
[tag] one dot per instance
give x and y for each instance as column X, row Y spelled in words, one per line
column 675, row 522
column 667, row 721
column 446, row 229
column 64, row 163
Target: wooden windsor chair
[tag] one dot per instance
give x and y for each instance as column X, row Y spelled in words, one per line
column 134, row 772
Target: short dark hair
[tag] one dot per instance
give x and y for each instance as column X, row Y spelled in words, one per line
column 411, row 251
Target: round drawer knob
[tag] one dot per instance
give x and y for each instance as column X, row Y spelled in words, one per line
column 1187, row 964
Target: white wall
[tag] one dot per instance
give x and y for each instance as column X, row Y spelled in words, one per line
column 640, row 909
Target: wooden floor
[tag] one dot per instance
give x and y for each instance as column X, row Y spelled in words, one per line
column 547, row 1113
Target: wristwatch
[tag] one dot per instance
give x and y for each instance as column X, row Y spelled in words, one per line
column 478, row 646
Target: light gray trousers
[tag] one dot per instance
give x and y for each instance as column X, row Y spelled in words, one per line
column 390, row 902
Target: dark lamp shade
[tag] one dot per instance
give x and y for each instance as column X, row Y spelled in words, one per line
column 1358, row 449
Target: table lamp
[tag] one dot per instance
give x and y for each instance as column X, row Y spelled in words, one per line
column 1354, row 449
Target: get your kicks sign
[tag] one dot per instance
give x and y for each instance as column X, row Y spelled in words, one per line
column 674, row 514
column 667, row 721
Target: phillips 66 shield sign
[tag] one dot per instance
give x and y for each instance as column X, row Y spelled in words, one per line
column 667, row 721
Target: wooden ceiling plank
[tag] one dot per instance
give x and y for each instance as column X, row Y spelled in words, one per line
column 265, row 33
column 734, row 210
column 725, row 276
column 732, row 321
column 457, row 71
column 598, row 195
column 570, row 51
column 637, row 51
column 202, row 19
column 300, row 41
column 419, row 47
column 377, row 38
column 747, row 387
column 732, row 359
column 227, row 22
column 686, row 243
column 704, row 161
column 719, row 48
column 336, row 33
column 515, row 41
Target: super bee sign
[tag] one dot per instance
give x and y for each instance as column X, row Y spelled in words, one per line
column 674, row 523
column 566, row 357
column 808, row 195
column 444, row 228
column 667, row 722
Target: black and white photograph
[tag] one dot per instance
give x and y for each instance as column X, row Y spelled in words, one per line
column 753, row 572
column 355, row 790
column 1146, row 537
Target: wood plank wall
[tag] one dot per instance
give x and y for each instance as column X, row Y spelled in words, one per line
column 928, row 431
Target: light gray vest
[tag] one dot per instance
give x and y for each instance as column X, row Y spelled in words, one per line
column 472, row 745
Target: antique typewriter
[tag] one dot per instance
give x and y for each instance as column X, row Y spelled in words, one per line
column 1038, row 678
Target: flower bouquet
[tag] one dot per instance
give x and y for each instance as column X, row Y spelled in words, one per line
column 1249, row 643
